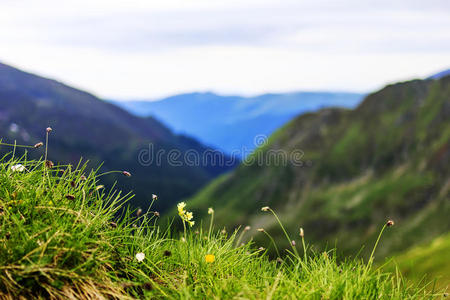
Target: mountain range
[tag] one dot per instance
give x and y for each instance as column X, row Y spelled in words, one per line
column 87, row 127
column 341, row 173
column 232, row 123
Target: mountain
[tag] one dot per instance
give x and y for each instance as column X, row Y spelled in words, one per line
column 440, row 74
column 233, row 123
column 87, row 127
column 340, row 173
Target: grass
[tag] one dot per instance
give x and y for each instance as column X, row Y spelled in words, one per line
column 427, row 262
column 63, row 236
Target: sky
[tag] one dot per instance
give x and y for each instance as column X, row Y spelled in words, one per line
column 151, row 49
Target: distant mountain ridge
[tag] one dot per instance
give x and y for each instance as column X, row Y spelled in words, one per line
column 85, row 126
column 232, row 122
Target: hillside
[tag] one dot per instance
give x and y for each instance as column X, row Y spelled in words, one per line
column 60, row 240
column 89, row 128
column 426, row 263
column 387, row 158
column 232, row 122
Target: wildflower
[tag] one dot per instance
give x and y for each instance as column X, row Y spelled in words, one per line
column 210, row 211
column 154, row 197
column 38, row 145
column 223, row 231
column 183, row 239
column 390, row 223
column 260, row 230
column 70, row 197
column 126, row 173
column 265, row 208
column 18, row 168
column 293, row 243
column 72, row 183
column 261, row 249
column 50, row 202
column 49, row 129
column 156, row 214
column 49, row 164
column 83, row 178
column 210, row 258
column 140, row 256
column 186, row 216
column 302, row 233
column 139, row 212
column 247, row 228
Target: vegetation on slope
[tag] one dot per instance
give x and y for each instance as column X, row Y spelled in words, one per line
column 100, row 132
column 427, row 263
column 64, row 236
column 388, row 157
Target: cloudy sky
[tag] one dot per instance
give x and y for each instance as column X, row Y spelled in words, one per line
column 151, row 48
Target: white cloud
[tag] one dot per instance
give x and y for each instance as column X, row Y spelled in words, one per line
column 141, row 49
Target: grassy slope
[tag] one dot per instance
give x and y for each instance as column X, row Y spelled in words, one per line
column 58, row 240
column 427, row 262
column 388, row 158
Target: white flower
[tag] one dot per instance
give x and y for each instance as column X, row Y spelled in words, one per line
column 140, row 256
column 210, row 211
column 18, row 168
column 154, row 197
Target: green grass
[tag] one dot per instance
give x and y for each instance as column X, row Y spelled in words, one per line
column 427, row 263
column 64, row 236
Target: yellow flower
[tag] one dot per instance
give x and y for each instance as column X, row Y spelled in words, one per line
column 186, row 216
column 210, row 258
column 181, row 207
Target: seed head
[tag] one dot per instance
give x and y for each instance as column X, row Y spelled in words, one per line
column 293, row 243
column 210, row 211
column 167, row 253
column 223, row 231
column 126, row 173
column 139, row 212
column 302, row 233
column 38, row 145
column 247, row 228
column 260, row 230
column 265, row 208
column 390, row 223
column 49, row 129
column 72, row 183
column 154, row 197
column 156, row 214
column 83, row 178
column 49, row 164
column 261, row 249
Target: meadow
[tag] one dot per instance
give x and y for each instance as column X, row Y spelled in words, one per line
column 64, row 236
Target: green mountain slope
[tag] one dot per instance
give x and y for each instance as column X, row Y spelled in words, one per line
column 427, row 263
column 388, row 158
column 85, row 126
